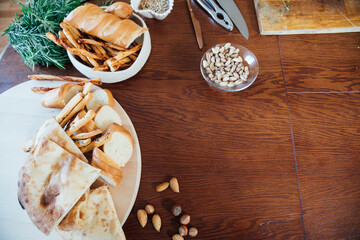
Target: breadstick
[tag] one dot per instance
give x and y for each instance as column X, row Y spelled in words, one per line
column 133, row 57
column 111, row 51
column 101, row 68
column 87, row 88
column 79, row 115
column 100, row 48
column 82, row 142
column 64, row 38
column 89, row 116
column 57, row 40
column 104, row 44
column 96, row 81
column 80, row 106
column 83, row 52
column 90, row 126
column 71, row 39
column 97, row 142
column 42, row 89
column 114, row 65
column 72, row 35
column 68, row 107
column 87, row 134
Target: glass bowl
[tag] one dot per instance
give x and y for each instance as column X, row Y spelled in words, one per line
column 248, row 59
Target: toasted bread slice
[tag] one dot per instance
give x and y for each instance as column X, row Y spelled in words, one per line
column 59, row 97
column 110, row 170
column 121, row 145
column 106, row 115
column 100, row 98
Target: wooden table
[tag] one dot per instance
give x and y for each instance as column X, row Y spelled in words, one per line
column 280, row 160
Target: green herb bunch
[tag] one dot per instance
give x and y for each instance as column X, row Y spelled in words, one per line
column 27, row 32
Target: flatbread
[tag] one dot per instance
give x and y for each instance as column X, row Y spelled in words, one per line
column 53, row 131
column 92, row 218
column 50, row 183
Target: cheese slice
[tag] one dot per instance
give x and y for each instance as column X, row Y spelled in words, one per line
column 92, row 218
column 51, row 181
column 53, row 131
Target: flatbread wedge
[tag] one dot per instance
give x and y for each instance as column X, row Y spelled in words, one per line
column 53, row 131
column 50, row 183
column 92, row 218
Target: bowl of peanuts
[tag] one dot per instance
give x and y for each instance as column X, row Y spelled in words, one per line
column 229, row 67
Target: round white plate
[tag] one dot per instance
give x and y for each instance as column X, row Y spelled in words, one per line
column 21, row 114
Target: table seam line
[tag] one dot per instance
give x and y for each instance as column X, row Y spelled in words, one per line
column 292, row 138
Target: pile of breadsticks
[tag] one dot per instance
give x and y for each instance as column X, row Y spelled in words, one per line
column 94, row 52
column 72, row 117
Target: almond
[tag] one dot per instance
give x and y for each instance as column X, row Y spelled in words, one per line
column 162, row 186
column 142, row 217
column 177, row 237
column 174, row 185
column 156, row 221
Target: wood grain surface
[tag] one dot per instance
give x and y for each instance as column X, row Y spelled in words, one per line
column 307, row 16
column 327, row 137
column 321, row 63
column 233, row 152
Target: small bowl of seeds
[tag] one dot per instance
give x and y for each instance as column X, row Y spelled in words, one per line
column 158, row 9
column 229, row 67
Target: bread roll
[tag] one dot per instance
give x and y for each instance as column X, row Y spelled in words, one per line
column 100, row 98
column 59, row 97
column 106, row 115
column 121, row 145
column 120, row 9
column 93, row 20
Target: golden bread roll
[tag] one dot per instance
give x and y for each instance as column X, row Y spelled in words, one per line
column 59, row 97
column 120, row 9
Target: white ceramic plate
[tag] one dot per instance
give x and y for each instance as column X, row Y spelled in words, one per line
column 21, row 114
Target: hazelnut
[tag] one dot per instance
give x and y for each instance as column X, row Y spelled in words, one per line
column 193, row 232
column 185, row 219
column 176, row 210
column 183, row 230
column 149, row 209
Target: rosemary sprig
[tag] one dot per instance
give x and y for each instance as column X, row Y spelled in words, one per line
column 104, row 3
column 27, row 32
column 286, row 7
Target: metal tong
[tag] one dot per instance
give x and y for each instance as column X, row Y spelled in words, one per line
column 216, row 13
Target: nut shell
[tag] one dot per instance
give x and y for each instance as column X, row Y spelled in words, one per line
column 183, row 230
column 176, row 210
column 142, row 217
column 174, row 185
column 185, row 219
column 162, row 186
column 193, row 232
column 156, row 221
column 149, row 209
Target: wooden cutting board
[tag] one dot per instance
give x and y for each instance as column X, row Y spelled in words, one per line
column 307, row 16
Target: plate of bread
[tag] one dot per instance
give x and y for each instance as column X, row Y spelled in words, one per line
column 71, row 161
